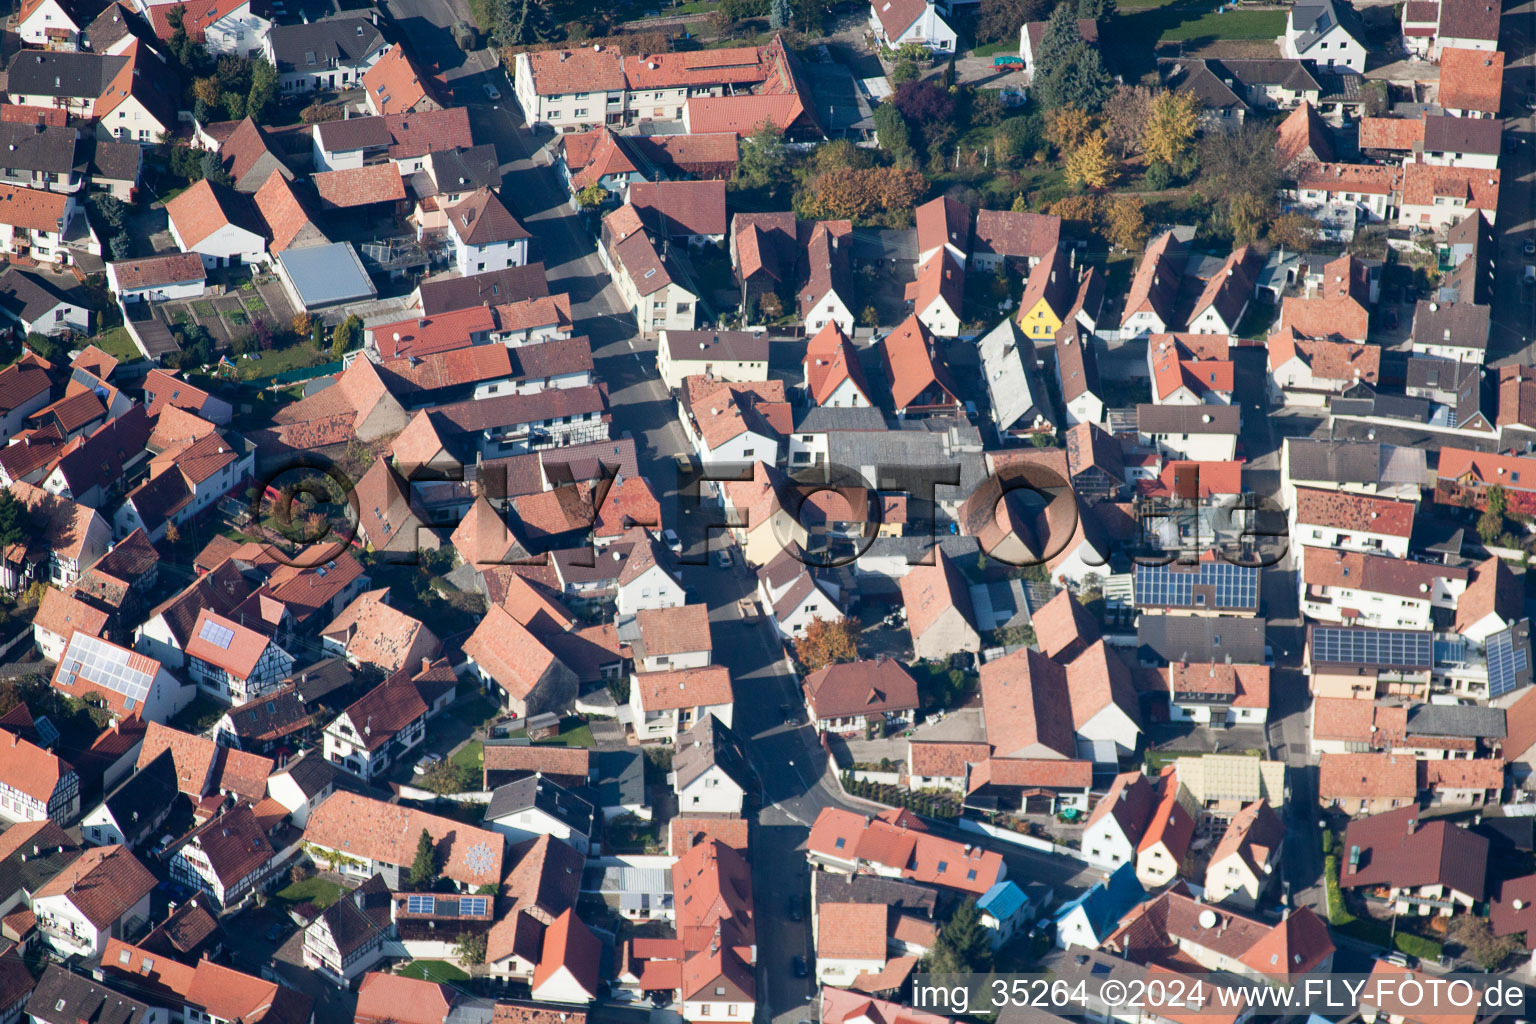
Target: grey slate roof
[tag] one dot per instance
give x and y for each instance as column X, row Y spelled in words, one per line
column 1187, row 419
column 62, row 997
column 145, row 795
column 1443, row 133
column 903, row 896
column 311, row 773
column 359, row 916
column 27, row 296
column 819, row 419
column 866, row 452
column 1439, row 373
column 1363, row 400
column 45, row 73
column 1462, row 324
column 1013, row 376
column 38, row 147
column 533, row 791
column 112, row 160
column 1317, row 17
column 1169, row 638
column 463, row 170
column 1456, row 720
column 710, row 743
column 345, row 39
column 1355, row 462
column 620, row 779
column 510, row 285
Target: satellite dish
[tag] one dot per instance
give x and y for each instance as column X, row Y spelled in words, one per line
column 1207, row 918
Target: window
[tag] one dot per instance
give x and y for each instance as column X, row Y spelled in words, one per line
column 719, row 990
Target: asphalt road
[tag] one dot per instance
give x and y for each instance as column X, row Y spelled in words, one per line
column 1513, row 334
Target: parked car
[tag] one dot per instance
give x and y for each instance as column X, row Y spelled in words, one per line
column 802, row 969
column 491, row 92
column 275, row 932
column 670, row 538
column 796, row 908
column 427, row 763
column 1530, row 247
column 725, row 559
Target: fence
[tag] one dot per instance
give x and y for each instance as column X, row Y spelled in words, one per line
column 298, row 376
column 1016, row 838
column 882, row 778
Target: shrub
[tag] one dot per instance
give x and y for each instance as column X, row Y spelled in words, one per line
column 1158, row 177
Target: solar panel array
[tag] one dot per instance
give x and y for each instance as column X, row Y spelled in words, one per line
column 216, row 634
column 1236, row 586
column 1507, row 662
column 1333, row 645
column 104, row 664
column 419, row 904
column 472, row 906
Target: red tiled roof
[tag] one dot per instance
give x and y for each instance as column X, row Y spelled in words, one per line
column 1423, row 184
column 1394, row 133
column 1471, row 80
column 360, row 186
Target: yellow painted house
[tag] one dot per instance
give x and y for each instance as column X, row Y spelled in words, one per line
column 1048, row 297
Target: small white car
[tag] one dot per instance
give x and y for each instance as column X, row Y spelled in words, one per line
column 673, row 543
column 427, row 763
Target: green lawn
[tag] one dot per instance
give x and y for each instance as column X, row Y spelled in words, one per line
column 433, row 970
column 470, row 755
column 573, row 733
column 281, row 360
column 322, row 892
column 1192, row 22
column 993, row 49
column 201, row 715
column 115, row 342
column 1228, row 25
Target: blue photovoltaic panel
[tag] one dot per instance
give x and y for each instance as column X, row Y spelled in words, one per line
column 417, row 904
column 471, row 906
column 216, row 634
column 1234, row 586
column 1506, row 662
column 1334, row 645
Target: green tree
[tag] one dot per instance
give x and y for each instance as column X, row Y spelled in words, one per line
column 827, row 642
column 762, row 161
column 1171, row 125
column 1491, row 523
column 469, row 949
column 263, row 92
column 1074, row 73
column 999, row 20
column 963, row 946
column 347, row 334
column 15, row 521
column 424, row 868
column 892, row 133
column 519, row 22
column 214, row 171
column 1017, row 139
column 1097, row 10
column 779, row 14
column 592, row 196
